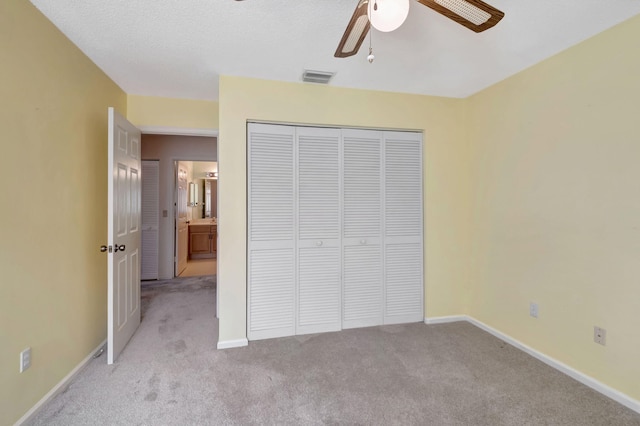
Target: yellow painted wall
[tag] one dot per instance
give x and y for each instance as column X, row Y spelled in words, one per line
column 532, row 193
column 170, row 112
column 446, row 177
column 53, row 116
column 556, row 172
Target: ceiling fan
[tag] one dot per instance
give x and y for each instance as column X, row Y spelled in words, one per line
column 473, row 14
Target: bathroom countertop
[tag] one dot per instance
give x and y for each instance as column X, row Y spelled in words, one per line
column 206, row 221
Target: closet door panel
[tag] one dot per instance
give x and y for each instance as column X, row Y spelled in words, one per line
column 271, row 231
column 319, row 265
column 318, row 183
column 362, row 286
column 319, row 290
column 403, row 283
column 271, row 293
column 362, row 229
column 403, row 228
column 362, row 202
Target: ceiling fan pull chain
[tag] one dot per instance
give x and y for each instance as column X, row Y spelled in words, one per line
column 371, row 56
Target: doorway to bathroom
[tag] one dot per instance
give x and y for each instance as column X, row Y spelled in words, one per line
column 196, row 218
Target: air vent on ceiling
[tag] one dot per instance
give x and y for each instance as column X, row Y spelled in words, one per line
column 321, row 77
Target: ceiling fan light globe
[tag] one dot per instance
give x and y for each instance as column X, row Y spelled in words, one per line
column 388, row 15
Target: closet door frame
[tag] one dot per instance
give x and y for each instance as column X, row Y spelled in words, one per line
column 383, row 241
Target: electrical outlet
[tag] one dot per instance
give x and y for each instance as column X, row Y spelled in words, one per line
column 533, row 309
column 25, row 359
column 600, row 335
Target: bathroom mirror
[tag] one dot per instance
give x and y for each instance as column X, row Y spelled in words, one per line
column 207, row 198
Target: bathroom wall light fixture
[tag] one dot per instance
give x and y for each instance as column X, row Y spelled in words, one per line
column 387, row 15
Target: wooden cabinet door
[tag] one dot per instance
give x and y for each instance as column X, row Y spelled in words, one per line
column 200, row 243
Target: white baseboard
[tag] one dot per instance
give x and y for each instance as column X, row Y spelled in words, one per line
column 608, row 391
column 228, row 344
column 60, row 386
column 444, row 320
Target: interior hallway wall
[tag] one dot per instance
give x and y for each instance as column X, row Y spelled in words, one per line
column 168, row 149
column 53, row 115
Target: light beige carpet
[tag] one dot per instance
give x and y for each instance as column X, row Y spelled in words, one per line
column 452, row 374
column 199, row 267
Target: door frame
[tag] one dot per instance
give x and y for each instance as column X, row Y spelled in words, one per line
column 187, row 131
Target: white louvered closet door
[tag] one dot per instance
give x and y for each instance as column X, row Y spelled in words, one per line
column 362, row 229
column 403, row 248
column 319, row 268
column 271, row 244
column 150, row 219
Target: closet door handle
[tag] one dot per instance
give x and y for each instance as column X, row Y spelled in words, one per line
column 319, row 243
column 363, row 241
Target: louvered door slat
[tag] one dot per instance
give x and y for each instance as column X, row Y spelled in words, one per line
column 403, row 246
column 361, row 157
column 318, row 183
column 403, row 185
column 271, row 231
column 271, row 182
column 319, row 266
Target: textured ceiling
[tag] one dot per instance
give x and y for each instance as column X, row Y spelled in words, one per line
column 179, row 48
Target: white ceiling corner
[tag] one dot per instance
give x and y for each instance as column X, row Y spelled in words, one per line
column 179, row 48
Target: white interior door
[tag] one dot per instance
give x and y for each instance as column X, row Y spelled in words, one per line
column 182, row 224
column 123, row 234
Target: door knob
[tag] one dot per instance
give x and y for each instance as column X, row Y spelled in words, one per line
column 319, row 243
column 363, row 241
column 104, row 249
column 118, row 248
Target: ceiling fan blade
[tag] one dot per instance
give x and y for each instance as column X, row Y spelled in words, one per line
column 473, row 14
column 355, row 33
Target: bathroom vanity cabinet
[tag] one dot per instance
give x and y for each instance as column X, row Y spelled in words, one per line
column 202, row 241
